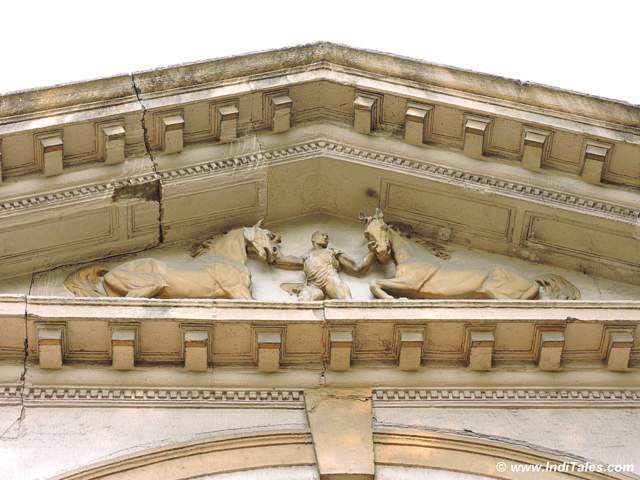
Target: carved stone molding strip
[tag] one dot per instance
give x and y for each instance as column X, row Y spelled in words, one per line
column 506, row 397
column 10, row 394
column 339, row 151
column 158, row 397
column 448, row 174
column 98, row 396
column 61, row 197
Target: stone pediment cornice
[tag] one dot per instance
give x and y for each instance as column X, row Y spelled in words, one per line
column 213, row 72
column 114, row 157
column 585, row 343
column 341, row 151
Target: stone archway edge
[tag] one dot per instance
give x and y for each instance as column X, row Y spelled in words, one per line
column 342, row 442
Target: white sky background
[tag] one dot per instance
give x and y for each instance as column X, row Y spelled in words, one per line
column 586, row 46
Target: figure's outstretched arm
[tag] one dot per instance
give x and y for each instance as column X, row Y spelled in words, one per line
column 356, row 268
column 289, row 262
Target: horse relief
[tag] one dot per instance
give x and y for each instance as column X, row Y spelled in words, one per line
column 222, row 273
column 420, row 274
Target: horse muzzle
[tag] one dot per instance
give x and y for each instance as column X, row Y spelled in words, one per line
column 383, row 254
column 269, row 255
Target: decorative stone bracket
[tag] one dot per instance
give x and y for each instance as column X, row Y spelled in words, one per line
column 476, row 134
column 594, row 158
column 536, row 145
column 123, row 348
column 49, row 153
column 228, row 118
column 480, row 349
column 411, row 344
column 619, row 350
column 416, row 123
column 172, row 134
column 269, row 344
column 281, row 113
column 551, row 345
column 341, row 344
column 113, row 138
column 50, row 347
column 365, row 113
column 196, row 350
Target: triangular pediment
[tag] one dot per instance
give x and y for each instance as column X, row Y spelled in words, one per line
column 175, row 154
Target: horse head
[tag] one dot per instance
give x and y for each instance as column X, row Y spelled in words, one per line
column 262, row 242
column 377, row 232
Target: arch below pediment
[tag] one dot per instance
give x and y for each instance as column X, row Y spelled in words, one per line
column 278, row 455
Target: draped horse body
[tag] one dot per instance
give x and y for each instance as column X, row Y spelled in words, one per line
column 420, row 274
column 220, row 273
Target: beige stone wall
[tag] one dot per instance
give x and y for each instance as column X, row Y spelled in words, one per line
column 48, row 441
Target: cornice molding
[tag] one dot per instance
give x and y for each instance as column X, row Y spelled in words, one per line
column 132, row 396
column 72, row 195
column 341, row 151
column 506, row 397
column 249, row 65
column 158, row 397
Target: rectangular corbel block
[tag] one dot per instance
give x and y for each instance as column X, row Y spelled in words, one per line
column 535, row 147
column 619, row 351
column 51, row 152
column 196, row 350
column 364, row 114
column 50, row 341
column 172, row 134
column 341, row 343
column 123, row 343
column 550, row 354
column 269, row 345
column 415, row 123
column 411, row 343
column 114, row 138
column 481, row 350
column 595, row 155
column 228, row 123
column 476, row 130
column 282, row 105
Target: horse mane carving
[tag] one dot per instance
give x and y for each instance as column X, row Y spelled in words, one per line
column 408, row 231
column 200, row 248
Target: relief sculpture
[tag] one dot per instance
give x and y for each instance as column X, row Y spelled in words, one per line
column 321, row 266
column 221, row 273
column 420, row 274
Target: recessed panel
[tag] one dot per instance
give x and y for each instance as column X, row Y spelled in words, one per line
column 433, row 206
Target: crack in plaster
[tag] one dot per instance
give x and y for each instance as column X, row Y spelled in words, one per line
column 23, row 376
column 147, row 146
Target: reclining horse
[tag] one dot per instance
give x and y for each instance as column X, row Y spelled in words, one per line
column 420, row 274
column 222, row 273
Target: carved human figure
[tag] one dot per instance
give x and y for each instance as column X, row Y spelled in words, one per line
column 420, row 274
column 220, row 271
column 321, row 266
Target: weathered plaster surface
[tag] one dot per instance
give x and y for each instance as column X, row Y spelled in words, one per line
column 598, row 435
column 49, row 441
